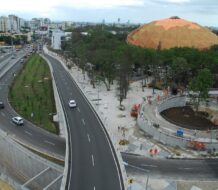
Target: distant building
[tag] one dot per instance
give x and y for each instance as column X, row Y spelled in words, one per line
column 13, row 24
column 21, row 23
column 57, row 37
column 4, row 24
column 35, row 24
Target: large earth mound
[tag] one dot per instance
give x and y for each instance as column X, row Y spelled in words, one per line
column 172, row 32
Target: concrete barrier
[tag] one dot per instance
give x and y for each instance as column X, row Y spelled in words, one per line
column 62, row 123
column 164, row 136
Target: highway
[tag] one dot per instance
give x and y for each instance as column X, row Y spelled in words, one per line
column 93, row 163
column 28, row 134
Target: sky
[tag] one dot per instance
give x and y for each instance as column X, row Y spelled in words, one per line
column 204, row 12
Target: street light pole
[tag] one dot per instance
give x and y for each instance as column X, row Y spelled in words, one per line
column 144, row 170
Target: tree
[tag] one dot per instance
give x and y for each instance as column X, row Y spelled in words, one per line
column 200, row 85
column 180, row 70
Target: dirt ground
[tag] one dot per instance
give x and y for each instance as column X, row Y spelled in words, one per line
column 5, row 186
column 187, row 118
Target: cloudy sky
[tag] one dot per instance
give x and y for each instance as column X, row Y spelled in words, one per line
column 205, row 12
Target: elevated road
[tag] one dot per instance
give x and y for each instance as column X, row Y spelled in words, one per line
column 93, row 163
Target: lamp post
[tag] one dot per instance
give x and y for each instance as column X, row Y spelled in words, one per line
column 141, row 169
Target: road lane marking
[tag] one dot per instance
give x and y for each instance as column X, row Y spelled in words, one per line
column 28, row 133
column 3, row 114
column 153, row 166
column 185, row 168
column 94, row 187
column 78, row 109
column 93, row 161
column 83, row 121
column 49, row 143
column 88, row 138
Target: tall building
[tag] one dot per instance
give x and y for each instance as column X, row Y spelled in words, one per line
column 13, row 24
column 56, row 39
column 35, row 24
column 21, row 23
column 4, row 24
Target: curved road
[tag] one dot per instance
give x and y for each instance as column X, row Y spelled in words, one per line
column 29, row 134
column 93, row 163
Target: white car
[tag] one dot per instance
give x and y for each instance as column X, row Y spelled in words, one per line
column 72, row 103
column 17, row 120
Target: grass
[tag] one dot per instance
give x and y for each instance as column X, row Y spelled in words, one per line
column 31, row 94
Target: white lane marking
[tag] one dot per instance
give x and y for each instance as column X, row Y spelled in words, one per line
column 49, row 143
column 83, row 121
column 88, row 138
column 185, row 168
column 93, row 161
column 3, row 114
column 28, row 133
column 94, row 187
column 153, row 166
column 78, row 109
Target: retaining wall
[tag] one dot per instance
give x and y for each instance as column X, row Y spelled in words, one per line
column 166, row 137
column 23, row 165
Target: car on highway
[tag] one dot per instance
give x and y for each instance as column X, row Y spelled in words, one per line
column 2, row 105
column 17, row 120
column 72, row 103
column 22, row 60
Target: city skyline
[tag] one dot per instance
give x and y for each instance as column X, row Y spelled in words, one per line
column 136, row 11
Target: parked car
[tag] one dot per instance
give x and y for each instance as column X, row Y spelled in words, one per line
column 2, row 105
column 17, row 120
column 72, row 103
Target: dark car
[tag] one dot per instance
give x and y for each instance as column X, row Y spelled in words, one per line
column 2, row 105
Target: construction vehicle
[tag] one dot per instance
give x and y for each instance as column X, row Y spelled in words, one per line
column 135, row 110
column 196, row 145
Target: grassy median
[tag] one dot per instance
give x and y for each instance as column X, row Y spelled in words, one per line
column 31, row 93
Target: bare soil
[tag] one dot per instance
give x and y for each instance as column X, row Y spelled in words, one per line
column 186, row 117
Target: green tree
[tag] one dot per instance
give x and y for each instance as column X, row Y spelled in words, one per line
column 200, row 85
column 180, row 70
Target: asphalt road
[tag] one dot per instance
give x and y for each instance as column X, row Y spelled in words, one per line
column 93, row 163
column 29, row 134
column 173, row 168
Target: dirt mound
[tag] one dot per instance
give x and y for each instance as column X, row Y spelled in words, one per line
column 187, row 118
column 172, row 32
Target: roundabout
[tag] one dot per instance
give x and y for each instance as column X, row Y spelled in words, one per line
column 170, row 121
